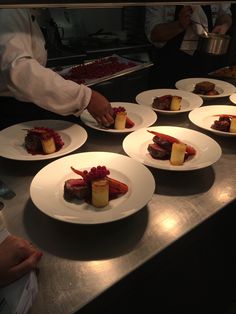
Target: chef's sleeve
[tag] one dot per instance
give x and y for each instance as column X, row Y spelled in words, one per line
column 25, row 76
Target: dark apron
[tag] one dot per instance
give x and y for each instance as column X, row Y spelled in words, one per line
column 13, row 111
column 171, row 64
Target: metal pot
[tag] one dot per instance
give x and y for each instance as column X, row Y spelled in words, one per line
column 215, row 44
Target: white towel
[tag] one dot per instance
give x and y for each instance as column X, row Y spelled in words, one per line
column 190, row 41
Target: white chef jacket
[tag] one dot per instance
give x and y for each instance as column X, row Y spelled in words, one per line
column 3, row 231
column 23, row 74
column 166, row 14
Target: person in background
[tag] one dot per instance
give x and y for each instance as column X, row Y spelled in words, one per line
column 167, row 27
column 17, row 256
column 25, row 81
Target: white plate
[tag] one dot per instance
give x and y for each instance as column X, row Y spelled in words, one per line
column 204, row 117
column 12, row 139
column 189, row 100
column 233, row 98
column 208, row 151
column 47, row 188
column 140, row 115
column 223, row 88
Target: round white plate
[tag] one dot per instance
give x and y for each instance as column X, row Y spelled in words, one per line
column 140, row 115
column 12, row 139
column 208, row 151
column 47, row 188
column 223, row 88
column 189, row 100
column 204, row 117
column 233, row 98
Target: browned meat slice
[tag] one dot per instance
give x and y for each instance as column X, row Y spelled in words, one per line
column 223, row 124
column 75, row 188
column 165, row 144
column 162, row 103
column 158, row 152
column 204, row 87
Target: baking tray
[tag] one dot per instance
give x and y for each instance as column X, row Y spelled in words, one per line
column 136, row 66
column 227, row 73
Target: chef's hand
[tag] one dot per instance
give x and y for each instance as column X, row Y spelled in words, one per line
column 17, row 257
column 220, row 29
column 185, row 16
column 100, row 108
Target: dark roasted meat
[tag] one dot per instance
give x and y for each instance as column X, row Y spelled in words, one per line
column 158, row 152
column 223, row 124
column 205, row 88
column 33, row 143
column 162, row 103
column 75, row 188
column 167, row 145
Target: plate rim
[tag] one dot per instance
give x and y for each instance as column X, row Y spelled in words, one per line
column 39, row 157
column 216, row 132
column 169, row 90
column 133, row 210
column 151, row 112
column 196, row 79
column 170, row 167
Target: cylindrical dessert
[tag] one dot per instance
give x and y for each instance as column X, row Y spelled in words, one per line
column 175, row 104
column 48, row 144
column 232, row 128
column 100, row 193
column 177, row 154
column 120, row 120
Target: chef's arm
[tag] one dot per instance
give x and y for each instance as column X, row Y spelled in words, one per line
column 26, row 77
column 165, row 31
column 31, row 82
column 222, row 24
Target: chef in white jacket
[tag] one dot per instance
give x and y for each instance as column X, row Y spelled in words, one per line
column 26, row 82
column 17, row 256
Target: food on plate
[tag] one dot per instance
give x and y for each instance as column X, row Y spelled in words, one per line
column 97, row 69
column 163, row 148
column 177, row 155
column 232, row 128
column 229, row 72
column 95, row 186
column 100, row 192
column 167, row 102
column 121, row 119
column 225, row 123
column 42, row 140
column 205, row 88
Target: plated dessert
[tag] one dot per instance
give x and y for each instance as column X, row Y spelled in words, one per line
column 95, row 187
column 225, row 123
column 208, row 88
column 215, row 118
column 120, row 183
column 127, row 116
column 42, row 140
column 168, row 147
column 205, row 88
column 172, row 148
column 167, row 102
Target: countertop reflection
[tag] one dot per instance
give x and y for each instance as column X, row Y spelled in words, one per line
column 80, row 262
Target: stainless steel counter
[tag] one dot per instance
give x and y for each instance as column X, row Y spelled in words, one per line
column 80, row 262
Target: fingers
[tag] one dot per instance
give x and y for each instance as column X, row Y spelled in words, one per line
column 25, row 266
column 105, row 120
